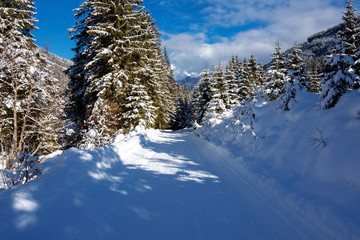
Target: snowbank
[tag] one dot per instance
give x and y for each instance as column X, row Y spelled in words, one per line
column 304, row 153
column 305, row 141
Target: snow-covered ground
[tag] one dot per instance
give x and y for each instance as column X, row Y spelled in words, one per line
column 265, row 182
column 311, row 157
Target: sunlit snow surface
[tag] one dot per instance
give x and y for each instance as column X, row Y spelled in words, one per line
column 262, row 183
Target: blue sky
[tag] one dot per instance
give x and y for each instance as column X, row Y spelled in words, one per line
column 200, row 33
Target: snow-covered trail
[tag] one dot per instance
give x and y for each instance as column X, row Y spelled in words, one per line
column 153, row 185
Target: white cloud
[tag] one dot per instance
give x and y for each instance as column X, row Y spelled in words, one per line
column 285, row 21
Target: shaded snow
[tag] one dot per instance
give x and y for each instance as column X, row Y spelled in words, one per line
column 154, row 184
column 285, row 152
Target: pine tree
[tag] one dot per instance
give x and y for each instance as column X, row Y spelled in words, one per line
column 217, row 103
column 295, row 82
column 236, row 64
column 232, row 86
column 119, row 66
column 165, row 94
column 201, row 96
column 349, row 41
column 276, row 76
column 256, row 75
column 339, row 74
column 244, row 81
column 183, row 117
column 314, row 68
column 296, row 66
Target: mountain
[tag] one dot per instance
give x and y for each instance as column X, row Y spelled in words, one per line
column 322, row 43
column 319, row 44
column 56, row 65
column 190, row 81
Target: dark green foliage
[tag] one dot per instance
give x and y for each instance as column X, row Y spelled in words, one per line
column 120, row 68
column 314, row 69
column 340, row 68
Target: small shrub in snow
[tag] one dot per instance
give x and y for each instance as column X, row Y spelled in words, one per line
column 318, row 140
column 235, row 125
column 26, row 169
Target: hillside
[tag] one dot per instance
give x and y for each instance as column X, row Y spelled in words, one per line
column 56, row 65
column 320, row 44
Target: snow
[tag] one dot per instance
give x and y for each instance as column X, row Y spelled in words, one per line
column 239, row 177
column 286, row 152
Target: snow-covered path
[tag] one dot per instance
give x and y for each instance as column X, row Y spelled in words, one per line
column 154, row 185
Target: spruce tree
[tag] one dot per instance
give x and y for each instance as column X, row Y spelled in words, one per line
column 276, row 76
column 183, row 114
column 256, row 75
column 232, row 86
column 244, row 81
column 295, row 82
column 314, row 69
column 339, row 73
column 201, row 96
column 217, row 103
column 119, row 67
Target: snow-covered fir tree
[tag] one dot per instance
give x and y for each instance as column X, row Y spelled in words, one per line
column 296, row 80
column 183, row 118
column 119, row 68
column 217, row 103
column 296, row 68
column 165, row 91
column 31, row 104
column 244, row 81
column 339, row 73
column 313, row 71
column 276, row 76
column 256, row 75
column 232, row 89
column 201, row 96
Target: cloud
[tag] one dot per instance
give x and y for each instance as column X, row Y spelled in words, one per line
column 190, row 53
column 264, row 22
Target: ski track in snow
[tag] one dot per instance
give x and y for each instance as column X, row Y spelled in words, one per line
column 156, row 185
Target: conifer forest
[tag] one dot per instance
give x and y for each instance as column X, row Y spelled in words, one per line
column 121, row 78
column 121, row 81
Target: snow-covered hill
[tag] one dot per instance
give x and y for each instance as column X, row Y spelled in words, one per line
column 226, row 181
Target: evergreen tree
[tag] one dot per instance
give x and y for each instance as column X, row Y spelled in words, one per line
column 201, row 96
column 296, row 66
column 237, row 67
column 119, row 67
column 217, row 103
column 295, row 82
column 339, row 77
column 256, row 75
column 232, row 96
column 314, row 68
column 276, row 76
column 183, row 117
column 166, row 89
column 349, row 38
column 244, row 81
column 339, row 74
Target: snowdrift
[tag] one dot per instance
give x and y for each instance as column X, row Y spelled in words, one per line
column 305, row 141
column 305, row 153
